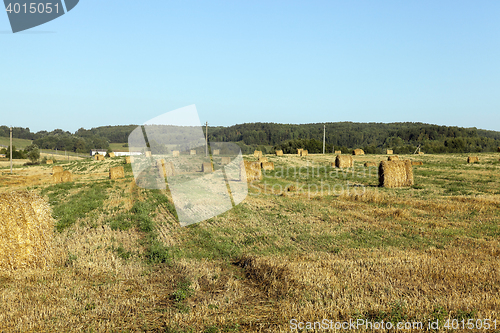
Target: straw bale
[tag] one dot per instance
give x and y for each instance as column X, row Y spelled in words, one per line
column 257, row 154
column 303, row 152
column 176, row 153
column 299, row 151
column 421, row 153
column 253, row 171
column 129, row 159
column 116, row 172
column 207, row 167
column 370, row 164
column 111, row 154
column 279, row 152
column 56, row 169
column 395, row 173
column 393, row 158
column 216, row 152
column 473, row 159
column 338, row 152
column 26, row 231
column 417, row 163
column 99, row 157
column 389, row 152
column 262, row 159
column 192, row 152
column 67, row 176
column 49, row 162
column 358, row 152
column 344, row 161
column 148, row 153
column 267, row 165
column 225, row 160
column 57, row 177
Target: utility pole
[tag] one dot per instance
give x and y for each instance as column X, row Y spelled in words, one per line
column 11, row 149
column 324, row 135
column 206, row 138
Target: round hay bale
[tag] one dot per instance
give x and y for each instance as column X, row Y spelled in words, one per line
column 262, row 159
column 26, row 231
column 56, row 169
column 389, row 152
column 49, row 161
column 358, row 152
column 257, row 154
column 207, row 167
column 299, row 151
column 417, row 163
column 370, row 164
column 216, row 152
column 304, row 152
column 267, row 165
column 111, row 154
column 338, row 152
column 253, row 171
column 473, row 159
column 57, row 177
column 393, row 158
column 192, row 152
column 99, row 157
column 279, row 152
column 116, row 172
column 175, row 153
column 395, row 174
column 148, row 153
column 67, row 176
column 128, row 159
column 344, row 161
column 225, row 160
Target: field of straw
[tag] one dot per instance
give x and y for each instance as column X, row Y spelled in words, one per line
column 310, row 242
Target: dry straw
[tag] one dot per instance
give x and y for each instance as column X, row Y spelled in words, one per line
column 257, row 154
column 207, row 167
column 67, row 176
column 417, row 163
column 56, row 169
column 279, row 152
column 111, row 154
column 225, row 160
column 344, row 161
column 49, row 161
column 175, row 153
column 267, row 165
column 338, row 152
column 26, row 231
column 99, row 157
column 216, row 152
column 299, row 151
column 253, row 171
column 389, row 152
column 129, row 159
column 57, row 177
column 421, row 153
column 192, row 152
column 395, row 173
column 148, row 153
column 473, row 159
column 262, row 159
column 304, row 152
column 393, row 158
column 116, row 172
column 358, row 152
column 370, row 164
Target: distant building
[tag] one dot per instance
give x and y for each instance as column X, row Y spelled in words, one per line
column 117, row 153
column 98, row 151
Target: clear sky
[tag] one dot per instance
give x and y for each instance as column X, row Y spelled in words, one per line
column 124, row 62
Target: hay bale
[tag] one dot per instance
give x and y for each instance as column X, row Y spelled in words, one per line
column 207, row 167
column 389, row 152
column 417, row 163
column 67, row 177
column 175, row 153
column 267, row 165
column 344, row 161
column 299, row 151
column 129, row 159
column 111, row 154
column 99, row 157
column 148, row 153
column 421, row 153
column 257, row 154
column 56, row 169
column 116, row 172
column 279, row 152
column 225, row 160
column 338, row 152
column 57, row 177
column 395, row 174
column 49, row 161
column 303, row 152
column 26, row 231
column 216, row 152
column 253, row 171
column 358, row 152
column 192, row 152
column 393, row 158
column 473, row 159
column 370, row 164
column 262, row 159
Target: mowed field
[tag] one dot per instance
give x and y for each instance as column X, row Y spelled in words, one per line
column 310, row 242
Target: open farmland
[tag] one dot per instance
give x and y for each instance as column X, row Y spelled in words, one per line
column 309, row 242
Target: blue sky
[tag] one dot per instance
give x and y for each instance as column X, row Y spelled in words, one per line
column 123, row 62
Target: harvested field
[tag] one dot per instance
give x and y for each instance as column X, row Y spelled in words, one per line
column 395, row 174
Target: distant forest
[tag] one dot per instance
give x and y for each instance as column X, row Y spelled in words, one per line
column 371, row 137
